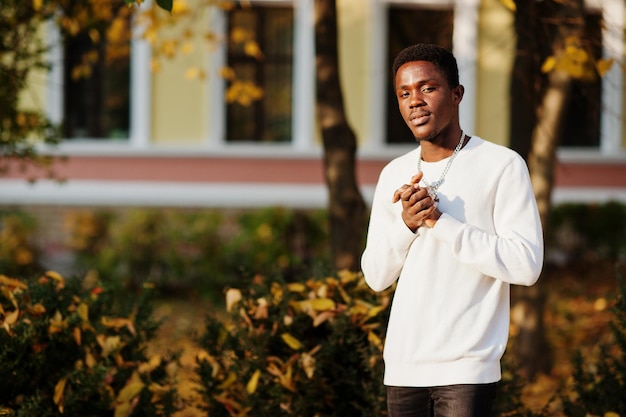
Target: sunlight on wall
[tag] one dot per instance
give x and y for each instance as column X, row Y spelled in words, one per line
column 179, row 114
column 352, row 16
column 495, row 60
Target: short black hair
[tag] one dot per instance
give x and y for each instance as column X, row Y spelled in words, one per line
column 441, row 57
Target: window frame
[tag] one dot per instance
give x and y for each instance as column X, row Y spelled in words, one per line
column 303, row 87
column 612, row 144
column 139, row 95
column 464, row 41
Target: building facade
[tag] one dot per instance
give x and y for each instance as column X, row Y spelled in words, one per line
column 140, row 137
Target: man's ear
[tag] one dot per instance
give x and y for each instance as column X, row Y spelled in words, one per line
column 458, row 92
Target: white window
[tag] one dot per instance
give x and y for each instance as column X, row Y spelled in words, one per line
column 284, row 116
column 594, row 112
column 401, row 23
column 106, row 101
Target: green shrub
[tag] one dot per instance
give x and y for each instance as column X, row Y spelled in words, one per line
column 174, row 250
column 301, row 349
column 198, row 250
column 597, row 229
column 278, row 241
column 75, row 348
column 600, row 387
column 18, row 252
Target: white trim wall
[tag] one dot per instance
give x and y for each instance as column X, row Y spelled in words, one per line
column 217, row 195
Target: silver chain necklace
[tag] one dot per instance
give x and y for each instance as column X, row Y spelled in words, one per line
column 432, row 189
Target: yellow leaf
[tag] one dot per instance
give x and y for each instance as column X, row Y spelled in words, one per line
column 155, row 66
column 90, row 361
column 179, row 7
column 233, row 296
column 374, row 340
column 239, row 35
column 108, row 344
column 11, row 282
column 191, row 73
column 253, row 382
column 59, row 389
column 252, row 48
column 57, row 323
column 576, row 53
column 83, row 311
column 227, row 73
column 316, row 304
column 322, row 317
column 323, row 304
column 77, row 336
column 296, row 287
column 118, row 323
column 124, row 410
column 509, row 4
column 132, row 388
column 307, row 361
column 187, row 48
column 291, row 341
column 11, row 318
column 284, row 378
column 374, row 311
column 232, row 377
column 261, row 311
column 94, row 35
column 37, row 309
column 603, row 66
column 611, row 414
column 37, row 4
column 151, row 365
column 548, row 64
column 55, row 276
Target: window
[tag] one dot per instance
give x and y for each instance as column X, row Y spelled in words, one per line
column 582, row 114
column 409, row 25
column 268, row 119
column 96, row 83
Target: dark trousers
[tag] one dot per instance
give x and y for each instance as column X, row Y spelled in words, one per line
column 473, row 400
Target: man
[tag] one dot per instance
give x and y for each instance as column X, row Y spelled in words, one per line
column 453, row 222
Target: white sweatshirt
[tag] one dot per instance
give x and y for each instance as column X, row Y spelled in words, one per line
column 449, row 321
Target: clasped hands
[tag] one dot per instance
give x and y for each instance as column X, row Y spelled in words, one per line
column 418, row 206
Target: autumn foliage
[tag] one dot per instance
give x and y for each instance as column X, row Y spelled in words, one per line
column 301, row 349
column 72, row 347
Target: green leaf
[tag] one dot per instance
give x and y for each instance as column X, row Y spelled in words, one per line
column 166, row 4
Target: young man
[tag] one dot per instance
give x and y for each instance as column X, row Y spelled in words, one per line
column 453, row 222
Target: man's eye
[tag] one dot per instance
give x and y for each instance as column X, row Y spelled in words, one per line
column 428, row 89
column 403, row 94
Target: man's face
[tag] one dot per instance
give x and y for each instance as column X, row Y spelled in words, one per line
column 427, row 103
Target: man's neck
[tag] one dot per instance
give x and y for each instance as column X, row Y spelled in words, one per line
column 433, row 151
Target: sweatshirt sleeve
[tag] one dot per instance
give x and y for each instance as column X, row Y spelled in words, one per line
column 514, row 251
column 388, row 240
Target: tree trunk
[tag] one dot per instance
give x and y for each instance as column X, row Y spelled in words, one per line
column 347, row 214
column 533, row 352
column 525, row 78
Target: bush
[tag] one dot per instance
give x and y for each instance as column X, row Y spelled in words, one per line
column 599, row 388
column 200, row 251
column 278, row 241
column 301, row 349
column 589, row 229
column 18, row 252
column 79, row 349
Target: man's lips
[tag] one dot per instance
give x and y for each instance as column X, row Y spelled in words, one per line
column 418, row 119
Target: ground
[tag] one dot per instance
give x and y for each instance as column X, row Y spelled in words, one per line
column 576, row 317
